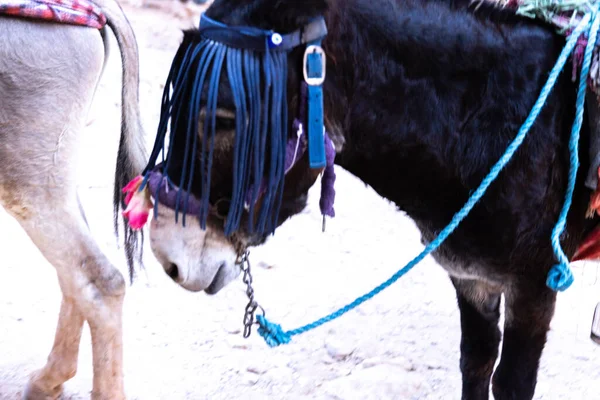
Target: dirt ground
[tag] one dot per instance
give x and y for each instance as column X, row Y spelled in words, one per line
column 403, row 344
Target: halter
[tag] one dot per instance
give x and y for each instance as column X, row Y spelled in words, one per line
column 255, row 61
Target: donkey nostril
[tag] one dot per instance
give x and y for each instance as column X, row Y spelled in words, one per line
column 173, row 271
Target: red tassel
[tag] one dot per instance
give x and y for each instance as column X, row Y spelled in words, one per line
column 590, row 248
column 138, row 203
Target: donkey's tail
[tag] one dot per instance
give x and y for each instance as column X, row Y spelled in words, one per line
column 131, row 155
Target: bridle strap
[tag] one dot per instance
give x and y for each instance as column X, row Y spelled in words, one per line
column 250, row 38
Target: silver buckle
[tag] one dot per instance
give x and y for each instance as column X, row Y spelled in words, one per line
column 314, row 81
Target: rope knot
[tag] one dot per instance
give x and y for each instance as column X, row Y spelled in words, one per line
column 271, row 332
column 560, row 277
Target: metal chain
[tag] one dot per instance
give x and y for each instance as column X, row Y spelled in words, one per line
column 244, row 262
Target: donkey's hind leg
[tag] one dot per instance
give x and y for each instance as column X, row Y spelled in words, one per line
column 93, row 290
column 62, row 361
column 479, row 305
column 40, row 135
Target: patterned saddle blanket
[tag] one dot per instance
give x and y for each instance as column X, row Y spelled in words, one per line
column 73, row 12
column 563, row 16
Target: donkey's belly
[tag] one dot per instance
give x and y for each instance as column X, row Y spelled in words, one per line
column 463, row 266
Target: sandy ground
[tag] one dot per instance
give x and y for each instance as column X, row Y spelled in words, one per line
column 403, row 344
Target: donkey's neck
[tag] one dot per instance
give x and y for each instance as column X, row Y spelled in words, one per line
column 373, row 44
column 407, row 79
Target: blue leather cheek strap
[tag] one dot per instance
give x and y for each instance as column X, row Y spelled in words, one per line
column 316, row 127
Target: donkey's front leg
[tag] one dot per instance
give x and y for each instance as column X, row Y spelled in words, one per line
column 479, row 305
column 528, row 312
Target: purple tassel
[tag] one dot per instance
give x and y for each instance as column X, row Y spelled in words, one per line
column 328, row 180
column 167, row 192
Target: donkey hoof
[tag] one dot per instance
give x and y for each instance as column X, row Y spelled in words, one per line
column 34, row 392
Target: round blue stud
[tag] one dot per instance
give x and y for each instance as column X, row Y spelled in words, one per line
column 276, row 39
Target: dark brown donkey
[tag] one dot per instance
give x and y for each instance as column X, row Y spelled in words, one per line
column 421, row 98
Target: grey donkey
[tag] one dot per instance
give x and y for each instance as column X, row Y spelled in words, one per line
column 48, row 78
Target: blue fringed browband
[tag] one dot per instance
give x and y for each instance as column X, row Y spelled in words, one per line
column 255, row 61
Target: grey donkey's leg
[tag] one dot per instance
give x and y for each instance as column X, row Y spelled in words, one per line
column 93, row 290
column 45, row 94
column 62, row 361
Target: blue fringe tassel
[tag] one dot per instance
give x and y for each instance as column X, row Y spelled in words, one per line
column 258, row 83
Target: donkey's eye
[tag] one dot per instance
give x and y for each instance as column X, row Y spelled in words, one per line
column 222, row 207
column 224, row 123
column 224, row 119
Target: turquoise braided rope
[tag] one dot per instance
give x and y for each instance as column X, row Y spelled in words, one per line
column 560, row 276
column 274, row 335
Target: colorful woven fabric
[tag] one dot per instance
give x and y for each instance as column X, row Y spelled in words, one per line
column 73, row 12
column 563, row 14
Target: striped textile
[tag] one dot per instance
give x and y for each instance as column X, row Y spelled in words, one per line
column 73, row 12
